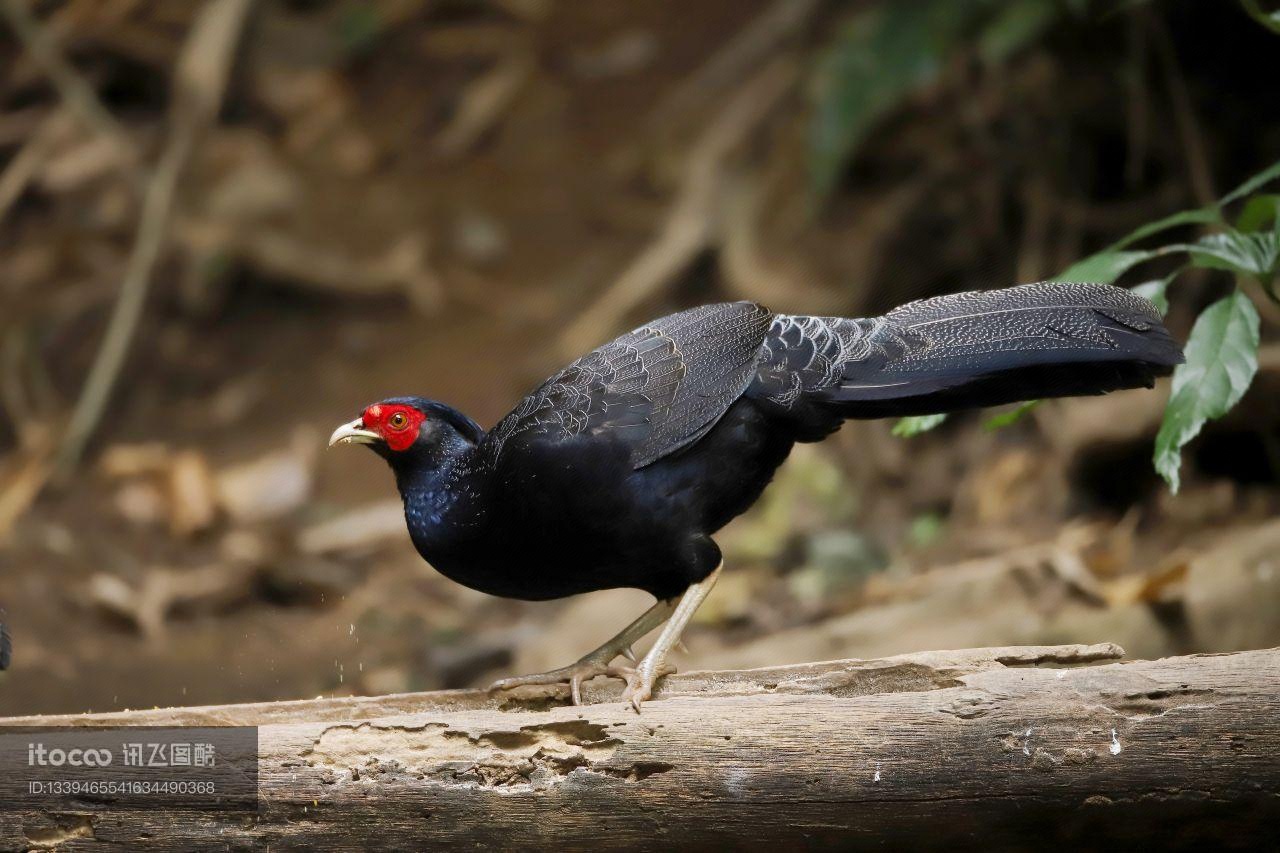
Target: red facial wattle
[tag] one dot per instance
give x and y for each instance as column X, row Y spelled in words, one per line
column 398, row 425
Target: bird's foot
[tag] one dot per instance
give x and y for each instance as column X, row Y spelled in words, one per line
column 640, row 682
column 574, row 674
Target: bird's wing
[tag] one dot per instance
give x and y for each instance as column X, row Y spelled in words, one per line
column 657, row 389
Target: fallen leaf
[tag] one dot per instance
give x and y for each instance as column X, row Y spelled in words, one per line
column 135, row 460
column 270, row 486
column 192, row 505
column 1160, row 585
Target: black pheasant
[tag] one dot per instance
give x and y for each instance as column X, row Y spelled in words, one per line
column 617, row 470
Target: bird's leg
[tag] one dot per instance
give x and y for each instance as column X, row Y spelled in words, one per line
column 597, row 662
column 640, row 680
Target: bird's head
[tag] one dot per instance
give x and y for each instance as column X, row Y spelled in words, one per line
column 410, row 431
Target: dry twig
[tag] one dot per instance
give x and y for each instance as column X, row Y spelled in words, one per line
column 691, row 225
column 746, row 51
column 404, row 268
column 481, row 105
column 200, row 81
column 75, row 92
column 23, row 487
column 24, row 166
column 161, row 591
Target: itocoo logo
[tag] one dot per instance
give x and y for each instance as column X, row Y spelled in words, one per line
column 38, row 755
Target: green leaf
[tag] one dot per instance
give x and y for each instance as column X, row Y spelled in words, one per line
column 1236, row 253
column 878, row 58
column 1256, row 254
column 1197, row 216
column 1104, row 267
column 359, row 26
column 1270, row 20
column 1015, row 26
column 1008, row 418
column 926, row 529
column 1258, row 212
column 1222, row 358
column 1266, row 176
column 1154, row 291
column 916, row 424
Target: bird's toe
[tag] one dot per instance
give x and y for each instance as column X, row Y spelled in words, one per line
column 512, row 682
column 638, row 695
column 640, row 683
column 572, row 676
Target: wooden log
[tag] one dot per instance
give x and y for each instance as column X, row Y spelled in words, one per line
column 981, row 749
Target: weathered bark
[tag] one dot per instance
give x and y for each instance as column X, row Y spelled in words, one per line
column 982, row 749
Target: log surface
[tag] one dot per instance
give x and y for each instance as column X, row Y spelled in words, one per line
column 978, row 749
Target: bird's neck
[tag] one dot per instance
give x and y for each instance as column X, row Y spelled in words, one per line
column 442, row 499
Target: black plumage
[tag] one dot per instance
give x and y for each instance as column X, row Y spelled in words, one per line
column 618, row 469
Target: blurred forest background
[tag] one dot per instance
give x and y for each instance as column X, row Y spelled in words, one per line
column 286, row 209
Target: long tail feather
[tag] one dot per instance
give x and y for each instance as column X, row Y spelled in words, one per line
column 967, row 350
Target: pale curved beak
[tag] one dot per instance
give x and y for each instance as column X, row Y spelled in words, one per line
column 353, row 433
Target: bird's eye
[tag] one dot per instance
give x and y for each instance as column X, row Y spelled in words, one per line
column 398, row 421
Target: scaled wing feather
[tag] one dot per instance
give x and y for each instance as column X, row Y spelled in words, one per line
column 656, row 389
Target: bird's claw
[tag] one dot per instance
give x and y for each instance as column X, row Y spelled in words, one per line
column 573, row 675
column 639, row 688
column 639, row 683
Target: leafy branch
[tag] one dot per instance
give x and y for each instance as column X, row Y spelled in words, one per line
column 885, row 54
column 1222, row 351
